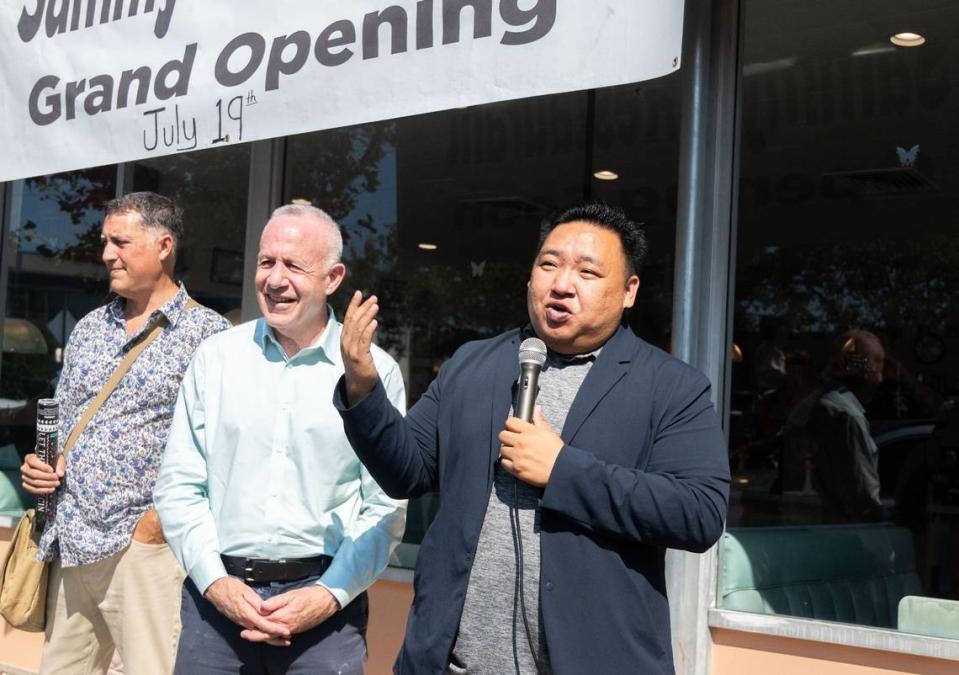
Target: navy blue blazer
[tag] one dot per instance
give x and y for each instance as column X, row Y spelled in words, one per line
column 644, row 468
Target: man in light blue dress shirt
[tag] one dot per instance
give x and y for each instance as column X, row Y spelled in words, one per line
column 262, row 499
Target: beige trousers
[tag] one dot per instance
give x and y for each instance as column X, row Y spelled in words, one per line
column 129, row 603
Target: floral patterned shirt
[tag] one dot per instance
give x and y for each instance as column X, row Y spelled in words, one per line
column 114, row 463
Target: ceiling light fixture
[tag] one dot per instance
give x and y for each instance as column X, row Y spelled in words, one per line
column 427, row 247
column 606, row 174
column 907, row 39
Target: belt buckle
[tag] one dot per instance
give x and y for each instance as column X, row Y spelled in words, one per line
column 251, row 565
column 248, row 565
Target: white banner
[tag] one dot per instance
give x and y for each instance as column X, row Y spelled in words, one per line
column 92, row 82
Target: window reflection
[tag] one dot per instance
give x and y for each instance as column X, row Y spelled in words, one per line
column 846, row 340
column 53, row 276
column 637, row 137
column 211, row 187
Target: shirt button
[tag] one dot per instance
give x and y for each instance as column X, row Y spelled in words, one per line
column 549, row 585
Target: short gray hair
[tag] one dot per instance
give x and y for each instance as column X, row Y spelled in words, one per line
column 155, row 211
column 321, row 216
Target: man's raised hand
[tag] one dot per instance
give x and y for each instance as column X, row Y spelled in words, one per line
column 359, row 324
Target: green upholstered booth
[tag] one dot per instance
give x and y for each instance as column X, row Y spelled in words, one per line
column 929, row 616
column 12, row 495
column 849, row 573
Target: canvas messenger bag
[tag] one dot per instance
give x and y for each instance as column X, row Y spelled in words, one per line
column 23, row 579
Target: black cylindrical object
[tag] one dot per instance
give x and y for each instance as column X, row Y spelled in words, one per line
column 48, row 422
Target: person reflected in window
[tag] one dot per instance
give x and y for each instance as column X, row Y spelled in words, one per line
column 829, row 433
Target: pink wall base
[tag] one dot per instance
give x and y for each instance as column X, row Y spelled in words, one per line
column 739, row 653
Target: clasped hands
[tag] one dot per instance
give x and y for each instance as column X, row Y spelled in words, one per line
column 274, row 620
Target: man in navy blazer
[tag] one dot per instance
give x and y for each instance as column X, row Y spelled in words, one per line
column 547, row 552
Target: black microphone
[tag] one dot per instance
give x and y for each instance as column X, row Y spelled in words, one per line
column 48, row 423
column 532, row 356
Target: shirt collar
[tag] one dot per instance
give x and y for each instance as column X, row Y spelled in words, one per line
column 849, row 399
column 572, row 359
column 326, row 346
column 172, row 309
column 562, row 359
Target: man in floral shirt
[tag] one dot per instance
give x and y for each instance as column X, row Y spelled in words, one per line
column 114, row 582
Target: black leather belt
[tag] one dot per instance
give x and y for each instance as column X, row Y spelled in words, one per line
column 261, row 571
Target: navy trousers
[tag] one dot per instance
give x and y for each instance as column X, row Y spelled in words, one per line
column 210, row 644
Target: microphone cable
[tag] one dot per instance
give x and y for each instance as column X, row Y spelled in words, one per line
column 515, row 524
column 532, row 358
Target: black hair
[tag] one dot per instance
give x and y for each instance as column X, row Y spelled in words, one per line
column 631, row 235
column 154, row 211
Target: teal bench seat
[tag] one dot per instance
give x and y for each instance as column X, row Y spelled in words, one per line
column 849, row 573
column 929, row 616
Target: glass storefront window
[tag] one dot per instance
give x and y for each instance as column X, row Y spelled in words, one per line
column 441, row 213
column 844, row 430
column 52, row 276
column 211, row 187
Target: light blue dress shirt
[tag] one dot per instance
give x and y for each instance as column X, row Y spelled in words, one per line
column 257, row 464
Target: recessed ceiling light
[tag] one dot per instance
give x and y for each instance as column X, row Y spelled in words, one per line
column 907, row 39
column 300, row 201
column 606, row 174
column 427, row 247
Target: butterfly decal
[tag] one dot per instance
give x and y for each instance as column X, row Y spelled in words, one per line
column 478, row 268
column 907, row 157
